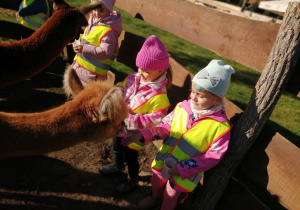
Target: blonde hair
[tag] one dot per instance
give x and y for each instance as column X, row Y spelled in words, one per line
column 218, row 98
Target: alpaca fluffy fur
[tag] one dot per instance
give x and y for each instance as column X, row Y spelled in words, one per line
column 71, row 82
column 95, row 114
column 27, row 57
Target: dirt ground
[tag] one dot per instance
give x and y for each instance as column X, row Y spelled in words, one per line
column 67, row 179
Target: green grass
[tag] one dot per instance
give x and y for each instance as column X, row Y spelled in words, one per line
column 194, row 58
column 8, row 17
column 286, row 116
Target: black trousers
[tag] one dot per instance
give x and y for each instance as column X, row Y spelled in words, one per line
column 129, row 156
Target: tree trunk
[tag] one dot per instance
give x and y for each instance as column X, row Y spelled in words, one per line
column 279, row 68
column 245, row 2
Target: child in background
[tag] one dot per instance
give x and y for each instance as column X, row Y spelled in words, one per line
column 32, row 14
column 196, row 134
column 100, row 43
column 145, row 93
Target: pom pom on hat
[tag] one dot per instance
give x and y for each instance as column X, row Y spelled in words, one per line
column 153, row 55
column 215, row 77
column 109, row 4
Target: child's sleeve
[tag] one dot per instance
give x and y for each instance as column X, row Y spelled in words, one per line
column 105, row 50
column 20, row 6
column 206, row 161
column 34, row 8
column 161, row 131
column 138, row 121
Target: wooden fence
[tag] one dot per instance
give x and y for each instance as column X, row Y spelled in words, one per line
column 268, row 176
column 243, row 40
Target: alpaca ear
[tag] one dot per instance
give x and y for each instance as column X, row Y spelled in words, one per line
column 71, row 83
column 57, row 3
column 110, row 78
column 111, row 105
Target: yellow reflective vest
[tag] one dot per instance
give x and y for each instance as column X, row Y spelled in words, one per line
column 163, row 103
column 34, row 22
column 155, row 101
column 97, row 66
column 185, row 143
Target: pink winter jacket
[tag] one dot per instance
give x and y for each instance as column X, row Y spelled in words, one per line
column 136, row 94
column 106, row 48
column 204, row 162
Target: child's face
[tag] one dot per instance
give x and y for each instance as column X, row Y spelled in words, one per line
column 149, row 75
column 204, row 99
column 101, row 12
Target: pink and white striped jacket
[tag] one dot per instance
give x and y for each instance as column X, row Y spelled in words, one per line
column 148, row 103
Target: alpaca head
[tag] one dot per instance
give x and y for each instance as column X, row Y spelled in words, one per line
column 103, row 106
column 73, row 19
column 103, row 102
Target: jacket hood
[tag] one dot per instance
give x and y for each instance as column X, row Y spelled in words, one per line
column 113, row 21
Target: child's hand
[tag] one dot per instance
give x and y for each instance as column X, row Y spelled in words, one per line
column 78, row 48
column 174, row 171
column 134, row 136
column 17, row 16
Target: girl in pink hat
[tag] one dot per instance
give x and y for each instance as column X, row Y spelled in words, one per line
column 145, row 93
column 99, row 43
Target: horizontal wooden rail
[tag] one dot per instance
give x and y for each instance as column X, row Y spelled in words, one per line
column 243, row 40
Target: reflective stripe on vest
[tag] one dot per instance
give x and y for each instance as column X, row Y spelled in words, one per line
column 137, row 146
column 34, row 22
column 97, row 66
column 183, row 144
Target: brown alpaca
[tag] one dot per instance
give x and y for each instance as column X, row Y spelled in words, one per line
column 27, row 57
column 95, row 114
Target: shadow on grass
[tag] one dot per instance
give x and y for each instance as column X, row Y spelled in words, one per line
column 293, row 138
column 186, row 60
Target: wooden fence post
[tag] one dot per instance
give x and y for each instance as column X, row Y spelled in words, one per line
column 280, row 65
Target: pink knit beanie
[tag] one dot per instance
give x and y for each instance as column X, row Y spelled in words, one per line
column 109, row 4
column 153, row 55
